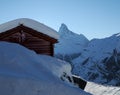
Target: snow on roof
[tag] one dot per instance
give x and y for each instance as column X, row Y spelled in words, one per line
column 31, row 24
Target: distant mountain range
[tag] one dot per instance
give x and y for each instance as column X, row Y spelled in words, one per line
column 97, row 60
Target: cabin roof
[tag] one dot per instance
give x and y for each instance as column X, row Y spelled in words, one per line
column 31, row 24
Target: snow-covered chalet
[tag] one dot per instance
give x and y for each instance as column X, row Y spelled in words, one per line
column 30, row 34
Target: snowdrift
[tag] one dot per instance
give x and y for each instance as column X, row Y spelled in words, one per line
column 97, row 89
column 23, row 72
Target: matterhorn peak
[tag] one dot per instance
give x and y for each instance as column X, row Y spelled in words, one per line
column 63, row 27
column 70, row 42
column 64, row 31
column 68, row 34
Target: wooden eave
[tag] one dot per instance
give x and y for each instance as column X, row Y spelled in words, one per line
column 27, row 30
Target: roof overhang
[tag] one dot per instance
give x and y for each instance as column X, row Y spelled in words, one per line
column 29, row 23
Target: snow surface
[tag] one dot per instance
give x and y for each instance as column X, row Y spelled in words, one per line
column 69, row 42
column 23, row 72
column 97, row 89
column 31, row 24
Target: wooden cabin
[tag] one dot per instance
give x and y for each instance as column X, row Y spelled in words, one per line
column 30, row 36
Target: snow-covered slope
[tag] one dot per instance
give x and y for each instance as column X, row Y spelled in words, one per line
column 100, row 61
column 96, row 89
column 23, row 72
column 69, row 43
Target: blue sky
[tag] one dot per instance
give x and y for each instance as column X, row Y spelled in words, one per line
column 93, row 18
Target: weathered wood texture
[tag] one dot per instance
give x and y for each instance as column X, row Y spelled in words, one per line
column 31, row 39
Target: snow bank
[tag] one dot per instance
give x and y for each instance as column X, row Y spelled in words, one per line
column 29, row 23
column 23, row 72
column 97, row 89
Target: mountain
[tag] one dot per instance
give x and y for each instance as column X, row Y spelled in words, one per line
column 97, row 60
column 100, row 61
column 70, row 44
column 23, row 72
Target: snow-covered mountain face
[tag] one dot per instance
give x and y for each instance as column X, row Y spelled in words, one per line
column 97, row 60
column 69, row 43
column 100, row 61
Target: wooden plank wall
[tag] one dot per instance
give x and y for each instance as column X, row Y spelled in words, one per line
column 40, row 46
